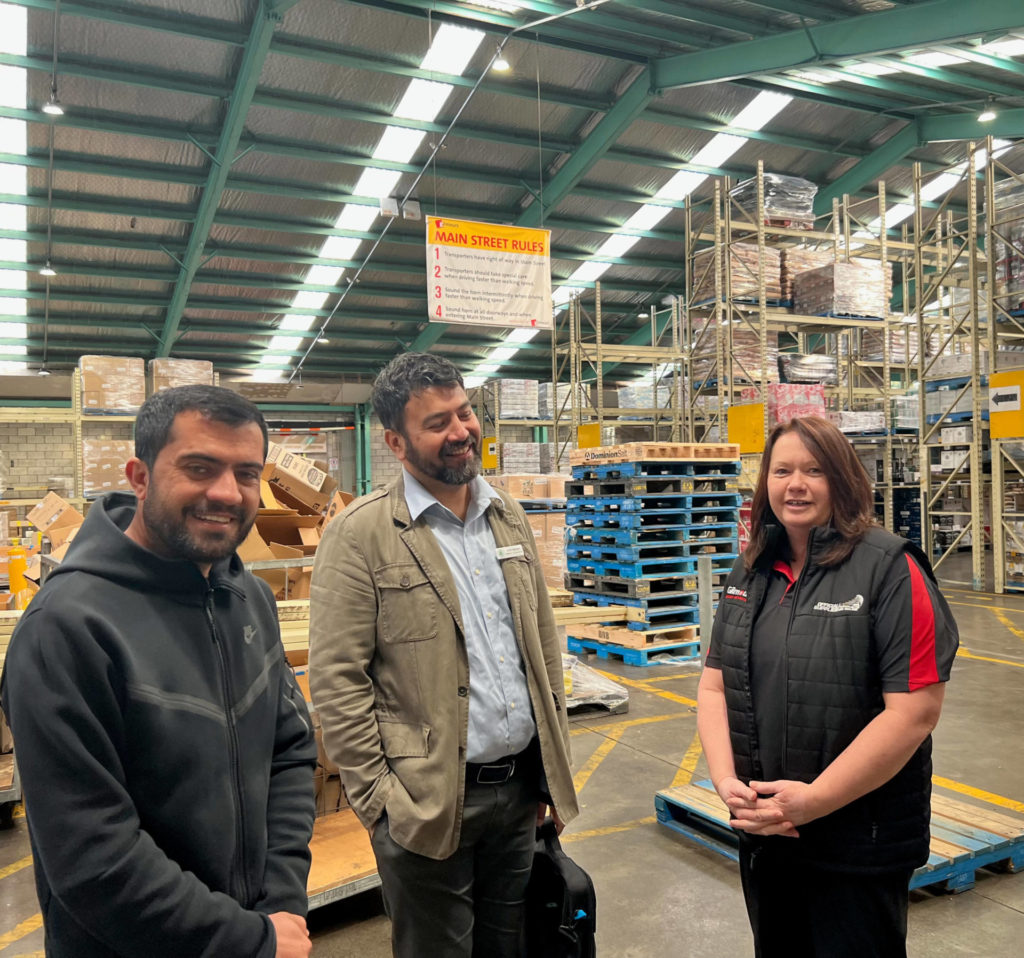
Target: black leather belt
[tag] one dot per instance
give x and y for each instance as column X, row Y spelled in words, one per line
column 501, row 770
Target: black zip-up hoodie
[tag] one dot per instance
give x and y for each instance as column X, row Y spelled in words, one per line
column 165, row 752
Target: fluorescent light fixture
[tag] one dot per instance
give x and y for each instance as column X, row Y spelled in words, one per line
column 501, row 65
column 297, row 324
column 378, row 183
column 487, row 368
column 501, row 353
column 398, row 144
column 759, row 111
column 452, row 49
column 522, row 334
column 643, row 314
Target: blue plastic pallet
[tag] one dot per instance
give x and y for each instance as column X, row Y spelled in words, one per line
column 656, row 468
column 643, row 537
column 617, row 587
column 657, row 503
column 981, row 838
column 682, row 519
column 641, row 569
column 640, row 657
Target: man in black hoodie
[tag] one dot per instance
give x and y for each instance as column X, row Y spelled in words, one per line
column 165, row 750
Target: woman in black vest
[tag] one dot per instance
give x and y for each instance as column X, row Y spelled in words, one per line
column 823, row 682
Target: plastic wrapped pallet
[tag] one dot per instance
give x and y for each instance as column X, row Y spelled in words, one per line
column 807, row 368
column 517, row 399
column 860, row 420
column 1009, row 245
column 906, row 411
column 857, row 288
column 788, row 200
column 585, row 686
column 742, row 365
column 785, row 401
column 798, row 259
column 528, row 457
column 868, row 344
column 647, row 395
column 103, row 463
column 167, row 373
column 112, row 384
column 742, row 265
column 557, row 398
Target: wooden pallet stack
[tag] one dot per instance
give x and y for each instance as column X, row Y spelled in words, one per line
column 639, row 516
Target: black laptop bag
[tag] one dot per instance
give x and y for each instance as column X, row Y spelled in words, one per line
column 561, row 907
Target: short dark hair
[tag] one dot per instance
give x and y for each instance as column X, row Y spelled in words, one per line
column 853, row 509
column 157, row 414
column 406, row 374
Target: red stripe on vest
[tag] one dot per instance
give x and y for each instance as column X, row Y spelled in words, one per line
column 923, row 670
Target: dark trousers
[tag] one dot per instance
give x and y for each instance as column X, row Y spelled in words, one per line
column 470, row 905
column 798, row 911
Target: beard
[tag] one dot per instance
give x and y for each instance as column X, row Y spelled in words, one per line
column 449, row 475
column 169, row 530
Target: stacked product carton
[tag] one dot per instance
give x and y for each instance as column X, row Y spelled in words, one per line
column 742, row 267
column 103, row 462
column 517, row 399
column 799, row 259
column 167, row 373
column 112, row 385
column 742, row 365
column 857, row 288
column 788, row 200
column 785, row 401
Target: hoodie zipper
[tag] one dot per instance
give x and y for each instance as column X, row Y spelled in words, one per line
column 236, row 766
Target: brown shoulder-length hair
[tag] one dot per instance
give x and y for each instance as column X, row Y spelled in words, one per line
column 848, row 485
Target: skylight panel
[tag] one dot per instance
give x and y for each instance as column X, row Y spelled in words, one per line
column 522, row 334
column 1007, row 47
column 934, row 58
column 681, row 185
column 452, row 49
column 374, row 182
column 398, row 144
column 293, row 323
column 871, row 69
column 284, row 343
column 340, row 247
column 719, row 149
column 307, row 299
column 502, row 353
column 323, row 275
column 356, row 217
column 618, row 245
column 647, row 217
column 763, row 108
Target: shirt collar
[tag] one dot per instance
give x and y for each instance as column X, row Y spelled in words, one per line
column 419, row 499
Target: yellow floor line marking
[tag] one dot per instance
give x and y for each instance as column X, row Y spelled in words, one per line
column 26, row 927
column 978, row 605
column 989, row 797
column 616, row 727
column 19, row 811
column 16, row 866
column 1010, row 627
column 689, row 763
column 608, row 830
column 613, row 733
column 672, row 678
column 645, row 687
column 964, row 654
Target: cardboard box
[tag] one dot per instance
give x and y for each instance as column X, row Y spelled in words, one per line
column 956, row 433
column 522, row 485
column 166, row 373
column 57, row 518
column 112, row 384
column 338, row 502
column 299, row 477
column 103, row 462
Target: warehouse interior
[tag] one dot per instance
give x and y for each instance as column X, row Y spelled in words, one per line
column 246, row 187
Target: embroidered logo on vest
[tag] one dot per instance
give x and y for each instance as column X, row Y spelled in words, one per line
column 850, row 605
column 249, row 633
column 733, row 593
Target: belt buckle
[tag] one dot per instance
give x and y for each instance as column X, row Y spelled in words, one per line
column 496, row 774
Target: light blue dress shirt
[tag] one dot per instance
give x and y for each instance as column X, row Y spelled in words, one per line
column 500, row 714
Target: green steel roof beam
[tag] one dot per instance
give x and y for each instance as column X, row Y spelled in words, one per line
column 987, row 59
column 949, row 77
column 917, row 25
column 829, row 95
column 887, row 85
column 965, row 126
column 870, row 168
column 135, row 15
column 608, row 129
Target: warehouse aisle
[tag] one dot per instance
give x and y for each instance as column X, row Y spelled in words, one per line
column 658, row 893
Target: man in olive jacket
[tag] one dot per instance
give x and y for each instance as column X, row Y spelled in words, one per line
column 436, row 671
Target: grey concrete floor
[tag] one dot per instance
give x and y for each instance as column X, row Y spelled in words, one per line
column 661, row 895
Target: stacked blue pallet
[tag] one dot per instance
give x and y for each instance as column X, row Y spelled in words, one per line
column 635, row 531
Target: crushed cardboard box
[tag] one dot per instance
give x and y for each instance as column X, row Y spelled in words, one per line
column 299, row 477
column 57, row 518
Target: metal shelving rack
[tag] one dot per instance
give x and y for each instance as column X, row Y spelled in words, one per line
column 580, row 344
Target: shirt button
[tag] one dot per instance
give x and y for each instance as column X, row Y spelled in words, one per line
column 501, row 658
column 463, row 691
column 476, row 572
column 490, row 615
column 512, row 705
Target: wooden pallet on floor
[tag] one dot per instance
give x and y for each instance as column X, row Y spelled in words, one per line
column 964, row 837
column 343, row 862
column 638, row 451
column 633, row 639
column 640, row 657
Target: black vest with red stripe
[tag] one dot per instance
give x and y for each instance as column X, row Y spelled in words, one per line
column 833, row 689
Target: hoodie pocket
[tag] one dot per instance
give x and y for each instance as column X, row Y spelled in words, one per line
column 408, row 605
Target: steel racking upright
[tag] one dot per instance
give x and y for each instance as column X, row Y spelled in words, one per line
column 712, row 327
